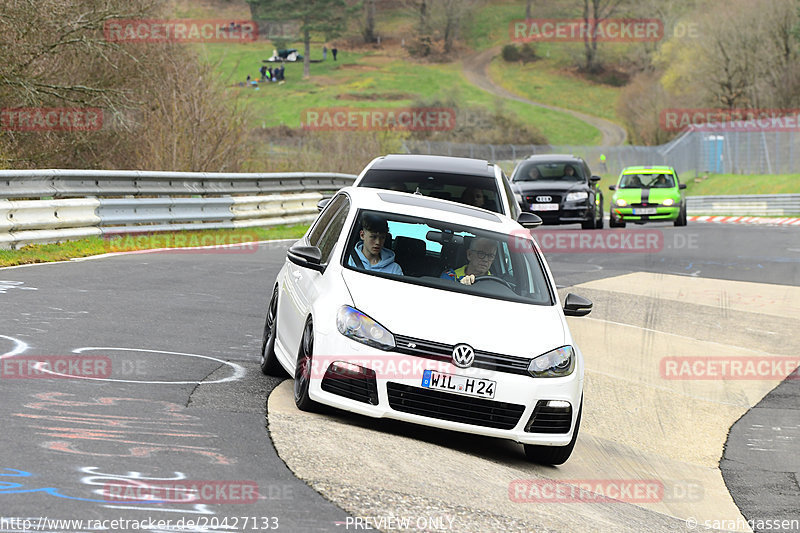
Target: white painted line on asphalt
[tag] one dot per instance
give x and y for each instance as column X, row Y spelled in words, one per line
column 19, row 347
column 238, row 371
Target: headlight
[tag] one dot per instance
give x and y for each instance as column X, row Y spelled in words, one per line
column 621, row 203
column 554, row 364
column 668, row 201
column 356, row 325
column 577, row 196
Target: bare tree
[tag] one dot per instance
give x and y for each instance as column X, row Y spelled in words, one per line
column 595, row 12
column 160, row 107
column 369, row 22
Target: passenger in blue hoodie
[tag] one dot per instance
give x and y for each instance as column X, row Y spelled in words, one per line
column 370, row 250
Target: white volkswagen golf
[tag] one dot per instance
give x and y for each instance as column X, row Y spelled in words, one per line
column 429, row 311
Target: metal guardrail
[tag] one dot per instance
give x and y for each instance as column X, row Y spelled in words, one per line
column 82, row 203
column 757, row 205
column 55, row 183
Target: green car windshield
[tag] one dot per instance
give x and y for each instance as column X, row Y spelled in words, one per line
column 647, row 181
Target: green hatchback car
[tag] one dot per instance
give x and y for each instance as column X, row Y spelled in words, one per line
column 648, row 194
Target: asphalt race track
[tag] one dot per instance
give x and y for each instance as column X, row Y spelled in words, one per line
column 176, row 400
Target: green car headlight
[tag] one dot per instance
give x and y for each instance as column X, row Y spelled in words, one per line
column 621, row 202
column 553, row 364
column 668, row 202
column 577, row 196
column 356, row 325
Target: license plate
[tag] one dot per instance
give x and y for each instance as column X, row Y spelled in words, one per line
column 644, row 210
column 544, row 207
column 482, row 388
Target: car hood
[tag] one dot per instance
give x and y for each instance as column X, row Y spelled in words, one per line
column 652, row 196
column 498, row 326
column 549, row 186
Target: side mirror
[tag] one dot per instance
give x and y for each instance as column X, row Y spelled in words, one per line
column 529, row 220
column 306, row 257
column 612, row 187
column 322, row 203
column 595, row 179
column 575, row 305
column 682, row 186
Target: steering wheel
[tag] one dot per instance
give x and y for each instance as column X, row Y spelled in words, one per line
column 494, row 278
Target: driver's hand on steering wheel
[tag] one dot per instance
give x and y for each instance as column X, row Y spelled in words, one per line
column 469, row 279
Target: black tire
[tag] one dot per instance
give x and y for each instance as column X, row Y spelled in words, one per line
column 681, row 220
column 554, row 455
column 269, row 361
column 613, row 222
column 302, row 370
column 600, row 221
column 588, row 224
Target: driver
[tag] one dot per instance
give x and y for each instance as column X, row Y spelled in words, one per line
column 480, row 256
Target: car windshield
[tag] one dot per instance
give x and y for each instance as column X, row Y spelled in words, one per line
column 438, row 254
column 478, row 191
column 549, row 172
column 647, row 181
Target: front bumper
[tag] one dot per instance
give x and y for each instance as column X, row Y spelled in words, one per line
column 663, row 213
column 565, row 215
column 395, row 391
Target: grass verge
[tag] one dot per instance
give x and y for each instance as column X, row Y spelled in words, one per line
column 542, row 81
column 715, row 184
column 217, row 239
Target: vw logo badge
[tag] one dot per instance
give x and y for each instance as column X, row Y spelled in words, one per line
column 463, row 356
column 544, row 198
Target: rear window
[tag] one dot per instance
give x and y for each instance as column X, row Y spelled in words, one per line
column 477, row 191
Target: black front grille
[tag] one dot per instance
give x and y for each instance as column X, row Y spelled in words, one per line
column 443, row 352
column 549, row 419
column 453, row 407
column 361, row 388
column 531, row 198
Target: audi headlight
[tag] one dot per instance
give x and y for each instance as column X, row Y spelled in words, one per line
column 356, row 325
column 668, row 201
column 577, row 196
column 621, row 203
column 554, row 364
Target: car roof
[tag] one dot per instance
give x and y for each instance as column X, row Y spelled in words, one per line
column 654, row 169
column 435, row 163
column 429, row 207
column 555, row 158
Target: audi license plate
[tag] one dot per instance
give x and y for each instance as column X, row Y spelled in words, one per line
column 482, row 388
column 544, row 207
column 644, row 210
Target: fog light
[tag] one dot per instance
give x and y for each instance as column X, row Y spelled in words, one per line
column 348, row 369
column 558, row 404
